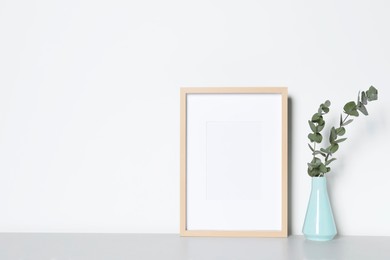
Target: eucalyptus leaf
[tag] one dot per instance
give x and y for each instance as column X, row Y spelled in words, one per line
column 313, row 172
column 316, row 137
column 340, row 140
column 320, row 127
column 316, row 117
column 354, row 113
column 333, row 148
column 358, row 98
column 329, row 161
column 318, row 153
column 351, row 108
column 347, row 122
column 321, row 121
column 372, row 94
column 362, row 108
column 325, row 150
column 327, row 103
column 340, row 131
column 325, row 109
column 322, row 168
column 311, row 165
column 364, row 98
column 312, row 126
column 316, row 161
column 333, row 135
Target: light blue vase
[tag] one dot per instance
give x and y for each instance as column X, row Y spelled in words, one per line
column 319, row 223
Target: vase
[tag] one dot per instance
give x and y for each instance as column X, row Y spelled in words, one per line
column 319, row 223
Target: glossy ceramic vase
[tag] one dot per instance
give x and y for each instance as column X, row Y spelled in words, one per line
column 319, row 223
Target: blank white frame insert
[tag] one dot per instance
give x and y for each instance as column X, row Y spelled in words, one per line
column 234, row 162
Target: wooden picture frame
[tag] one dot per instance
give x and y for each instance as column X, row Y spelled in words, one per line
column 233, row 161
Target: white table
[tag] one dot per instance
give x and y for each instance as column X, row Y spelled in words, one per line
column 20, row 246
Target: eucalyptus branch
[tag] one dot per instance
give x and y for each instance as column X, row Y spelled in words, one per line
column 316, row 167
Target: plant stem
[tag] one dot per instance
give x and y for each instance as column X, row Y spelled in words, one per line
column 314, row 150
column 327, row 156
column 345, row 119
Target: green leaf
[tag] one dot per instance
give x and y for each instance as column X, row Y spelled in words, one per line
column 329, row 161
column 317, row 153
column 322, row 168
column 362, row 108
column 321, row 121
column 364, row 98
column 350, row 106
column 340, row 131
column 358, row 98
column 310, row 165
column 333, row 135
column 351, row 109
column 320, row 127
column 313, row 167
column 341, row 119
column 327, row 103
column 347, row 122
column 316, row 162
column 355, row 113
column 372, row 94
column 325, row 109
column 340, row 140
column 312, row 127
column 325, row 150
column 314, row 172
column 333, row 148
column 316, row 137
column 316, row 117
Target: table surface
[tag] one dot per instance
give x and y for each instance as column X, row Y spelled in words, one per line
column 31, row 246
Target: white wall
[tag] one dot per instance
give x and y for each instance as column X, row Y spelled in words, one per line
column 89, row 104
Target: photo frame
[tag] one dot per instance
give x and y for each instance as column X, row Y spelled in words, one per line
column 233, row 161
